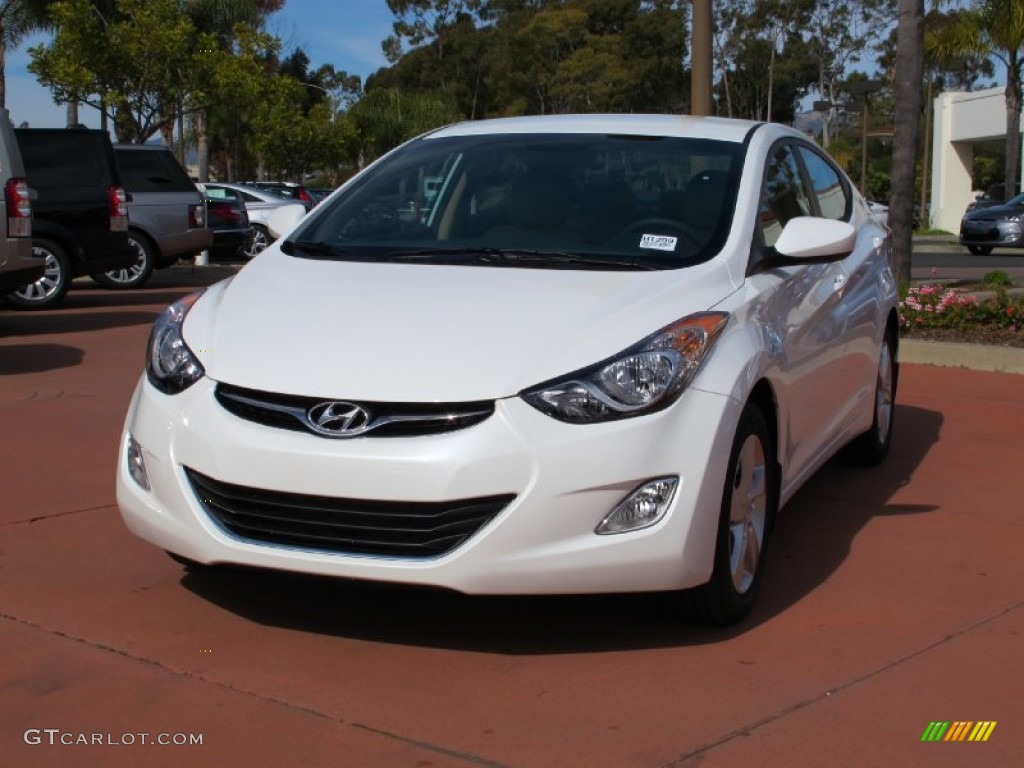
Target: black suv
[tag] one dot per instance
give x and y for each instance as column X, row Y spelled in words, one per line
column 80, row 212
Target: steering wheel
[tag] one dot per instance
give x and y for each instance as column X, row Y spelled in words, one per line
column 657, row 225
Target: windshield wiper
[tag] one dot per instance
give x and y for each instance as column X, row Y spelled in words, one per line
column 511, row 256
column 311, row 248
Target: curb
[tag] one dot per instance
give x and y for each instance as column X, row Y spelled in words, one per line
column 978, row 357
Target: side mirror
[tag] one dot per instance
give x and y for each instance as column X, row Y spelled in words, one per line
column 284, row 218
column 809, row 239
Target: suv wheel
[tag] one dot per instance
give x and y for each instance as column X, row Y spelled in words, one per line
column 134, row 276
column 48, row 291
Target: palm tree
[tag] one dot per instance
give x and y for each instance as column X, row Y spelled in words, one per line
column 993, row 28
column 909, row 67
column 17, row 19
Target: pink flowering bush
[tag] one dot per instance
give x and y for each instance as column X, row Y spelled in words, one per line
column 937, row 306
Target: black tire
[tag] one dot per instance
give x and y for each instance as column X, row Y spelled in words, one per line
column 749, row 501
column 980, row 250
column 136, row 275
column 260, row 240
column 872, row 447
column 48, row 291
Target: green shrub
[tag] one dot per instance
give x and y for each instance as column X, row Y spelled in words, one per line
column 997, row 279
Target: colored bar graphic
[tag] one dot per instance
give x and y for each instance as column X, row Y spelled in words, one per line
column 958, row 730
column 982, row 730
column 934, row 731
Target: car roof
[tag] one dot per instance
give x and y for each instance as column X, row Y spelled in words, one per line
column 687, row 126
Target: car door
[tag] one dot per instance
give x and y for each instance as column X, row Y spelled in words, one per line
column 860, row 277
column 807, row 309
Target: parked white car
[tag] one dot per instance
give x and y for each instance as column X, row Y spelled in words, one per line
column 596, row 356
column 259, row 204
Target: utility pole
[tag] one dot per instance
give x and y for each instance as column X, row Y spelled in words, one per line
column 700, row 58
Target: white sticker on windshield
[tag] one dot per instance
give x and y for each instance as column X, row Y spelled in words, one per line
column 658, row 242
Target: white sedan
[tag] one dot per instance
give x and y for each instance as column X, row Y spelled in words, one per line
column 260, row 205
column 566, row 354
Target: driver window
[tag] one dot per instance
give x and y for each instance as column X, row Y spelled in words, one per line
column 783, row 196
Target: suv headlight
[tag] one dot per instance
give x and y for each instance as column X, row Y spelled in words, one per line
column 170, row 365
column 645, row 378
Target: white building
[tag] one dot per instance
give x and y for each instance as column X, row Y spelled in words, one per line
column 961, row 120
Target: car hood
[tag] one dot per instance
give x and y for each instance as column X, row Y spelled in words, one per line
column 422, row 333
column 996, row 211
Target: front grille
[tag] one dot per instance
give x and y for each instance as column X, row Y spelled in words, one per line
column 414, row 530
column 386, row 419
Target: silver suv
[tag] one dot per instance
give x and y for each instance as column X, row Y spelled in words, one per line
column 166, row 213
column 17, row 266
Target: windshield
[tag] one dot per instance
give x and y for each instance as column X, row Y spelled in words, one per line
column 584, row 201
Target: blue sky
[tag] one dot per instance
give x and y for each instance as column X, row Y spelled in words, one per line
column 345, row 33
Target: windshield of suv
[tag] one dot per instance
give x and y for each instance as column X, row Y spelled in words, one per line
column 582, row 201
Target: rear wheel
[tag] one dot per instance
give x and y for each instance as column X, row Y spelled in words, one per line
column 260, row 240
column 49, row 290
column 873, row 446
column 980, row 250
column 138, row 273
column 749, row 500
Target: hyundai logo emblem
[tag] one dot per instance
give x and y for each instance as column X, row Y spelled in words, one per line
column 338, row 419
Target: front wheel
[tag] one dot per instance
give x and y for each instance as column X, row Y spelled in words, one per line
column 49, row 290
column 749, row 501
column 980, row 250
column 135, row 275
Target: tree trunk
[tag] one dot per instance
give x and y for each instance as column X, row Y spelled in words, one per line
column 909, row 69
column 1013, row 103
column 3, row 67
column 72, row 113
column 202, row 145
column 926, row 156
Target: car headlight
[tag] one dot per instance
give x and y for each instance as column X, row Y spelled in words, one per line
column 1016, row 218
column 170, row 365
column 645, row 378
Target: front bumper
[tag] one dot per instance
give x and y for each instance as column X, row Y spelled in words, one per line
column 565, row 480
column 1005, row 233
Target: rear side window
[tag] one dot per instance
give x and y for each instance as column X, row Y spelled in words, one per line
column 146, row 170
column 64, row 159
column 827, row 186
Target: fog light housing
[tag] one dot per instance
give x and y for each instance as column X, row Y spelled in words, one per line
column 642, row 508
column 137, row 464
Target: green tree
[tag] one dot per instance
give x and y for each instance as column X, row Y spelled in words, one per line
column 992, row 28
column 136, row 67
column 422, row 22
column 386, row 117
column 224, row 20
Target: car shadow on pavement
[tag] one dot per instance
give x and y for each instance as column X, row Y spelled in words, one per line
column 36, row 358
column 812, row 539
column 141, row 297
column 57, row 321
